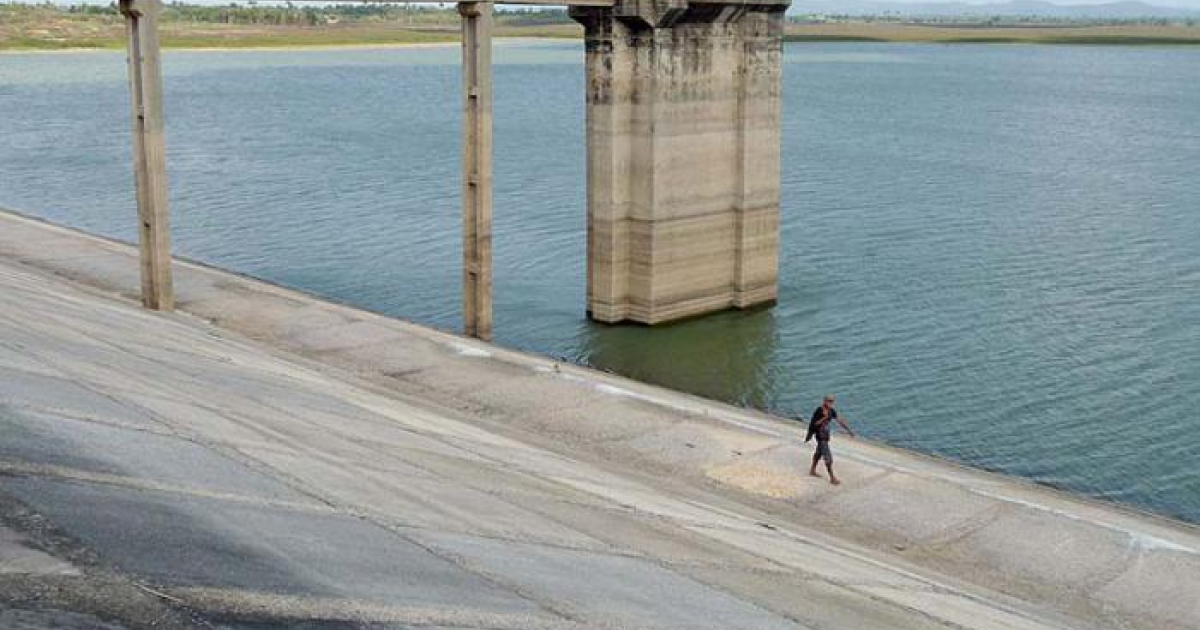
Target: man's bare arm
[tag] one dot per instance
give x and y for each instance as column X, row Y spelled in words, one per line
column 845, row 426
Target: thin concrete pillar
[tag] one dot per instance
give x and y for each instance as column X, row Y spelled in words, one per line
column 477, row 168
column 683, row 133
column 149, row 154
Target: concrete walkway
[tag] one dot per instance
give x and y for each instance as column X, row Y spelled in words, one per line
column 264, row 459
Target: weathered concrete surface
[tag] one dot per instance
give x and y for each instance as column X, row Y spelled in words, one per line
column 477, row 168
column 293, row 463
column 683, row 128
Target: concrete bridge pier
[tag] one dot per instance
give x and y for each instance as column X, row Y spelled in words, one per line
column 683, row 125
column 683, row 133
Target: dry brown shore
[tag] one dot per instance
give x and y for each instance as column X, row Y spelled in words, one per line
column 106, row 34
column 898, row 32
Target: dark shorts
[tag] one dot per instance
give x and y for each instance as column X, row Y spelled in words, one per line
column 823, row 452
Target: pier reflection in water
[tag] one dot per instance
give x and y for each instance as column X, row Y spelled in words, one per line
column 725, row 356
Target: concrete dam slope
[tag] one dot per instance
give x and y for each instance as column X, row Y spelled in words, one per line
column 264, row 459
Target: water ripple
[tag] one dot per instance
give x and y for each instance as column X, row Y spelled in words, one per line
column 990, row 252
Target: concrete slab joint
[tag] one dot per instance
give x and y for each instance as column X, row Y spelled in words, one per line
column 683, row 123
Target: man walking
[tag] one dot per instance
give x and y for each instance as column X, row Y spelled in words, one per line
column 819, row 426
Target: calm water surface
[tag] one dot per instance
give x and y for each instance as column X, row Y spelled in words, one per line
column 991, row 252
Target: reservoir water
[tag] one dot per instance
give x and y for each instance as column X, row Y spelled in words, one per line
column 991, row 253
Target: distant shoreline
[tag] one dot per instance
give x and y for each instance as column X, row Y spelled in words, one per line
column 39, row 28
column 210, row 39
column 273, row 48
column 896, row 32
column 264, row 48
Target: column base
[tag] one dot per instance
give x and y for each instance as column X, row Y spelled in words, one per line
column 763, row 297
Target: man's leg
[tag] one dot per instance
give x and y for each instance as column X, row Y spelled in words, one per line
column 812, row 470
column 829, row 465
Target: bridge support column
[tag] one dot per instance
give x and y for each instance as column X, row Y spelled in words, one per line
column 149, row 154
column 683, row 127
column 477, row 168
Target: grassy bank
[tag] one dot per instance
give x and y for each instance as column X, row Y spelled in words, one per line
column 238, row 38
